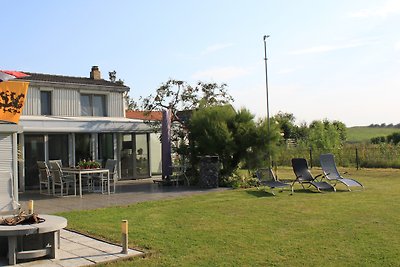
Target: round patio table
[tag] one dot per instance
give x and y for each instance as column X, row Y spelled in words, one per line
column 27, row 241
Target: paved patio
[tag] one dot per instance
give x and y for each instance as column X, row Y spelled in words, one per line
column 127, row 192
column 81, row 250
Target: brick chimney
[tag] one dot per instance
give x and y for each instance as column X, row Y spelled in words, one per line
column 95, row 73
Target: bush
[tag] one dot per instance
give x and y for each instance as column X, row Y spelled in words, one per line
column 239, row 179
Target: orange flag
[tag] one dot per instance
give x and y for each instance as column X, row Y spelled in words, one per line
column 12, row 99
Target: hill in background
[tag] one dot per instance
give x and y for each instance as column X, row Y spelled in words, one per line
column 365, row 133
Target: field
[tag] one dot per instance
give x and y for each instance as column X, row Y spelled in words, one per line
column 364, row 133
column 248, row 227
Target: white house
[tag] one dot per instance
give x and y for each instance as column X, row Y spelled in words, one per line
column 76, row 118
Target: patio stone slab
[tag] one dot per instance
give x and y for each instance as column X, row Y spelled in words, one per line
column 79, row 250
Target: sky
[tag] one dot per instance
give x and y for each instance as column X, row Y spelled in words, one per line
column 331, row 59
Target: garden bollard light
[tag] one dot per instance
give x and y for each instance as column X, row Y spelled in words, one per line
column 30, row 207
column 124, row 230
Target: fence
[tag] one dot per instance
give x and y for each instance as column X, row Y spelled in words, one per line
column 358, row 156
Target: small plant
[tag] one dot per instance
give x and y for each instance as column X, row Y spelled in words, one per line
column 90, row 164
column 240, row 180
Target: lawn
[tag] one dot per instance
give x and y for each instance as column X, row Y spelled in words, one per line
column 364, row 134
column 247, row 227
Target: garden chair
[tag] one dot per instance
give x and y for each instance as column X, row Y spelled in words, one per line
column 266, row 177
column 8, row 203
column 45, row 178
column 331, row 173
column 61, row 180
column 111, row 165
column 304, row 176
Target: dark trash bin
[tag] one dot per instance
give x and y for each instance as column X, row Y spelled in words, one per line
column 209, row 169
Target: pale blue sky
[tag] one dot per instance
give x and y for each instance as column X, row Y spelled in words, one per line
column 334, row 59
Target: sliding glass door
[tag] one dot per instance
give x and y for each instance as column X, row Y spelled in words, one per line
column 135, row 156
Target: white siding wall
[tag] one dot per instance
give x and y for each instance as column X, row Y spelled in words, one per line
column 6, row 155
column 115, row 105
column 8, row 163
column 66, row 102
column 32, row 102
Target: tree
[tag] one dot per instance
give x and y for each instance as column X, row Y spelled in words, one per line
column 394, row 138
column 182, row 99
column 342, row 130
column 323, row 135
column 180, row 96
column 232, row 135
column 286, row 124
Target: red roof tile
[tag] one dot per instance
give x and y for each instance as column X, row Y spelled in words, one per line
column 143, row 115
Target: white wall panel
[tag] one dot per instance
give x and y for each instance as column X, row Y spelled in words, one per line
column 115, row 105
column 66, row 102
column 6, row 155
column 32, row 102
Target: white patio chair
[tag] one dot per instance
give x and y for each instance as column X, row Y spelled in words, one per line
column 63, row 181
column 101, row 180
column 45, row 178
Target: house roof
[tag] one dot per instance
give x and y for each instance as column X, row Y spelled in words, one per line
column 143, row 115
column 41, row 77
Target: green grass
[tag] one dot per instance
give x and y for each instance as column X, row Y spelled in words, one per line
column 247, row 227
column 364, row 133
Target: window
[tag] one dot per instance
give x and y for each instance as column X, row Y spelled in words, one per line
column 93, row 105
column 82, row 147
column 58, row 147
column 45, row 102
column 106, row 146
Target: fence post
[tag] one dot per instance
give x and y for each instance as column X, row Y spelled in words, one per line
column 357, row 159
column 311, row 160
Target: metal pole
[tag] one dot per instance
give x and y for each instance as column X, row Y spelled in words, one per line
column 266, row 88
column 357, row 160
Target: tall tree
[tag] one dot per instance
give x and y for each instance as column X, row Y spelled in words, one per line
column 180, row 96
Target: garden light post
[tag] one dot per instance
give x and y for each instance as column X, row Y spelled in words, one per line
column 266, row 88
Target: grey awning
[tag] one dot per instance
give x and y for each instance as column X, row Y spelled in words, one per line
column 53, row 124
column 6, row 127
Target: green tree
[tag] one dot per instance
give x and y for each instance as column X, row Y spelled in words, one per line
column 178, row 96
column 232, row 135
column 286, row 124
column 394, row 138
column 182, row 99
column 342, row 130
column 323, row 135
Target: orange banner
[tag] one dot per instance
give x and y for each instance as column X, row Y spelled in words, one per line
column 12, row 99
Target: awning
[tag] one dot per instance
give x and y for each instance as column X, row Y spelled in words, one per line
column 59, row 124
column 10, row 127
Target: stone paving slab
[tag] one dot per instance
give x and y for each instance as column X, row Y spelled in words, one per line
column 79, row 250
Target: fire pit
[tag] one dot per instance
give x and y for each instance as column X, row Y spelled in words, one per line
column 31, row 240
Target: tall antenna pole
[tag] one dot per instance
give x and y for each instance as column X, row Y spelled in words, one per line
column 266, row 88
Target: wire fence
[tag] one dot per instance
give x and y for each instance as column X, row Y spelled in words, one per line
column 357, row 156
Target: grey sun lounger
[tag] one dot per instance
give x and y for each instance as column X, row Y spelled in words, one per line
column 331, row 173
column 266, row 177
column 304, row 176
